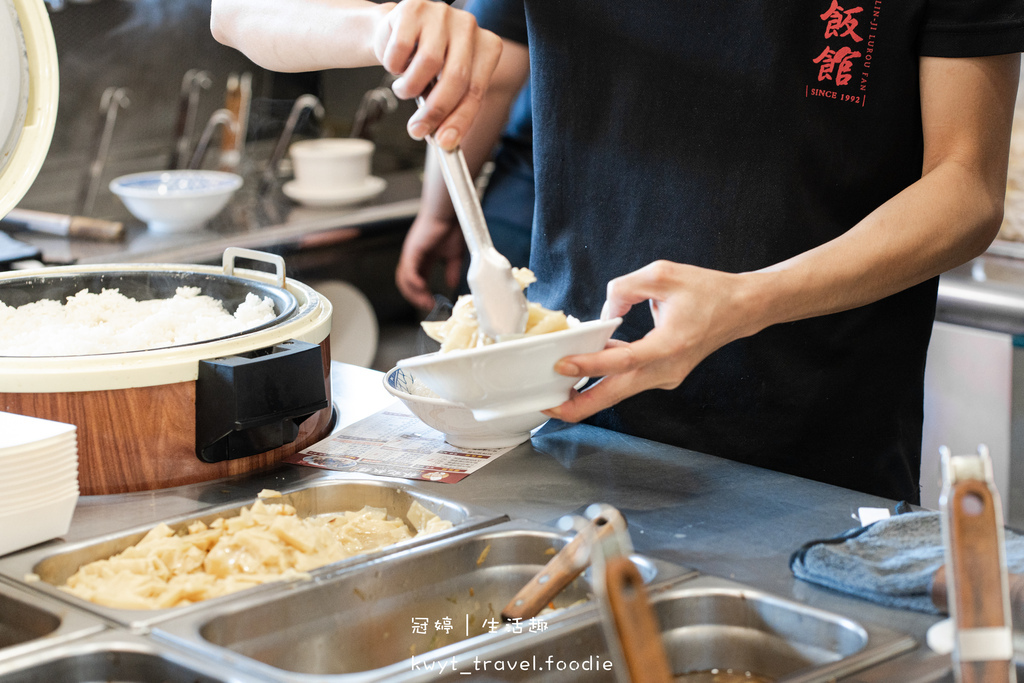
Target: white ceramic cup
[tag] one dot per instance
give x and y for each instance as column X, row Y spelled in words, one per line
column 331, row 163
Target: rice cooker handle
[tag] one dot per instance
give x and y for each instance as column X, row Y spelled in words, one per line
column 254, row 402
column 231, row 253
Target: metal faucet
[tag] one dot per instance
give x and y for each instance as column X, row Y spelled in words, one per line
column 112, row 100
column 303, row 103
column 188, row 104
column 221, row 117
column 376, row 103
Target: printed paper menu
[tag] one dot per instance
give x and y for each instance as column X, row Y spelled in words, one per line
column 395, row 443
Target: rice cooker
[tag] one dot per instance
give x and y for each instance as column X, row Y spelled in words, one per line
column 187, row 413
column 29, row 86
column 161, row 417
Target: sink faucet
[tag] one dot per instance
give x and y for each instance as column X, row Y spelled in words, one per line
column 304, row 102
column 188, row 104
column 112, row 100
column 221, row 117
column 372, row 108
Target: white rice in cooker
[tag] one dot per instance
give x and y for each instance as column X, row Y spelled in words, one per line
column 110, row 322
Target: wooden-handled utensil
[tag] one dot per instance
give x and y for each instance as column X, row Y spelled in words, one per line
column 975, row 570
column 500, row 303
column 635, row 622
column 939, row 592
column 630, row 625
column 566, row 565
column 64, row 225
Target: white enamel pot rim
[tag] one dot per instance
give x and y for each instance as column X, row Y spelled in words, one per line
column 311, row 322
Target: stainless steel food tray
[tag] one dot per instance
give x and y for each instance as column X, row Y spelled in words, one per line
column 707, row 623
column 116, row 655
column 53, row 564
column 363, row 623
column 29, row 622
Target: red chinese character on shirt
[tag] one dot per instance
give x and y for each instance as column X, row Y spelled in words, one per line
column 840, row 19
column 837, row 61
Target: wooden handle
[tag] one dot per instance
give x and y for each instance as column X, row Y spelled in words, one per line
column 84, row 227
column 565, row 566
column 975, row 558
column 940, row 587
column 636, row 623
column 233, row 103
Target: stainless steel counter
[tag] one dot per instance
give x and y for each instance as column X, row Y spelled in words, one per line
column 719, row 517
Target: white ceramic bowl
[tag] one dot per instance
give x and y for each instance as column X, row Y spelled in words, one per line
column 513, row 377
column 331, row 163
column 456, row 422
column 176, row 201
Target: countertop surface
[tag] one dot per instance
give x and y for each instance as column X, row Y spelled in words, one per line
column 719, row 517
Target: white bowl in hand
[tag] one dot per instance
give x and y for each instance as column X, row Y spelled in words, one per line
column 178, row 200
column 512, row 377
column 456, row 421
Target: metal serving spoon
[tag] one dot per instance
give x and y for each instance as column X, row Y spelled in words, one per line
column 500, row 304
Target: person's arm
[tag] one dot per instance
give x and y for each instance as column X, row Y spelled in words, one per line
column 418, row 39
column 435, row 235
column 946, row 218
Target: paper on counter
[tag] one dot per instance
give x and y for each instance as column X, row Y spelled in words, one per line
column 395, row 443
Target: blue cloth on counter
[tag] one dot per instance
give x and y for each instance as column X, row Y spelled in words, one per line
column 890, row 562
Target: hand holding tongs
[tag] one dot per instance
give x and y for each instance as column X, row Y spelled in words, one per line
column 500, row 304
column 977, row 591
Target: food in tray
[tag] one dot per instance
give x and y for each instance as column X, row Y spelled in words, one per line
column 110, row 322
column 265, row 542
column 462, row 331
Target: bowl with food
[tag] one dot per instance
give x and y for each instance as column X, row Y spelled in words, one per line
column 513, row 375
column 176, row 200
column 456, row 421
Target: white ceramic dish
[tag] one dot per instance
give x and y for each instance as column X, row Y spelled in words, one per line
column 37, row 497
column 31, row 525
column 21, row 432
column 345, row 195
column 456, row 421
column 53, row 466
column 326, row 163
column 43, row 448
column 513, row 377
column 176, row 201
column 37, row 471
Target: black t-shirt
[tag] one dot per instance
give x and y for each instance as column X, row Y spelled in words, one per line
column 734, row 135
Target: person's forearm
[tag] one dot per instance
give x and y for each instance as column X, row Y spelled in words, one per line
column 300, row 35
column 946, row 218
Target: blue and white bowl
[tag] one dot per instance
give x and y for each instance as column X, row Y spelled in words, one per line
column 176, row 201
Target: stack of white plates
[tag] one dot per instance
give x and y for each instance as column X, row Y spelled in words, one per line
column 38, row 480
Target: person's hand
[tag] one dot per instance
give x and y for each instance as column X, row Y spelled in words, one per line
column 695, row 310
column 422, row 40
column 430, row 240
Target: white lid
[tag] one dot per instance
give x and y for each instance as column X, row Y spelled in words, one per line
column 29, row 83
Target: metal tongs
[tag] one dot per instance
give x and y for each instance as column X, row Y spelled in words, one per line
column 499, row 300
column 976, row 576
column 630, row 626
